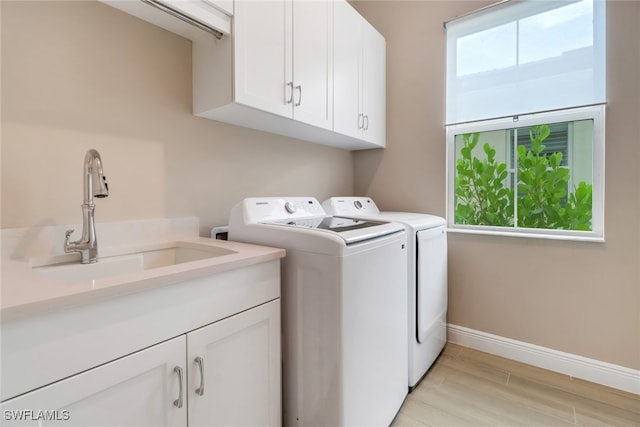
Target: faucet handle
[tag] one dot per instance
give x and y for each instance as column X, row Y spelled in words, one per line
column 67, row 234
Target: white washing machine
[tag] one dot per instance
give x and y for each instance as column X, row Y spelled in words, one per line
column 427, row 277
column 343, row 308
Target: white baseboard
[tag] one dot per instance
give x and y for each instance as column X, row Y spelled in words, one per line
column 604, row 373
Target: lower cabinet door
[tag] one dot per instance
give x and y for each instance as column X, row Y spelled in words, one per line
column 234, row 370
column 147, row 388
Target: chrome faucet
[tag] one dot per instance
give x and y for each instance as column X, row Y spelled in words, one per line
column 95, row 184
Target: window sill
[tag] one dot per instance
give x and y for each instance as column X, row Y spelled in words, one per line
column 530, row 235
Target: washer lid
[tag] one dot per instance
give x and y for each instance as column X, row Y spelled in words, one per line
column 351, row 230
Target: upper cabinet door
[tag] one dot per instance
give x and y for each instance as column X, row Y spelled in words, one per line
column 143, row 389
column 263, row 55
column 313, row 62
column 346, row 70
column 359, row 77
column 234, row 370
column 374, row 85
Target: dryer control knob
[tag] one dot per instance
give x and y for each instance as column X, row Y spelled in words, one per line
column 358, row 204
column 290, row 207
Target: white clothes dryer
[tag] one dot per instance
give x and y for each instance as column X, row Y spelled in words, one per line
column 344, row 312
column 427, row 277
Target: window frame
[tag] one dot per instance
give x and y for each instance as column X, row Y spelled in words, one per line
column 595, row 113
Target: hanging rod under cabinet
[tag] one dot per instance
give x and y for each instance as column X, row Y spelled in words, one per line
column 171, row 11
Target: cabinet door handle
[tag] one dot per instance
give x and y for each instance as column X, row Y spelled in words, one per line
column 360, row 121
column 365, row 123
column 289, row 99
column 178, row 402
column 200, row 361
column 299, row 87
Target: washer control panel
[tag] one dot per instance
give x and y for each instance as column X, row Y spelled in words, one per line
column 261, row 209
column 290, row 207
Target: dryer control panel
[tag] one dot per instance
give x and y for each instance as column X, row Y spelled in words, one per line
column 360, row 206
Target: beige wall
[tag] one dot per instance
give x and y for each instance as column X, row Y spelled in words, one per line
column 80, row 75
column 580, row 298
column 77, row 75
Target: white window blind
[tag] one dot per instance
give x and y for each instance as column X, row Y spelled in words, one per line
column 525, row 57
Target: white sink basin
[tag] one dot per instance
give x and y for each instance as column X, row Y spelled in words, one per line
column 111, row 266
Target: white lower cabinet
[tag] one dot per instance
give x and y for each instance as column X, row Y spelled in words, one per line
column 234, row 370
column 142, row 389
column 226, row 373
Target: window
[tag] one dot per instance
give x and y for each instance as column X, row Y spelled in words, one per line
column 536, row 175
column 525, row 120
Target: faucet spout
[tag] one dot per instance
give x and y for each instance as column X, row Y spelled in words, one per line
column 95, row 185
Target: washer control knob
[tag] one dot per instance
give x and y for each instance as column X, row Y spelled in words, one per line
column 358, row 204
column 290, row 207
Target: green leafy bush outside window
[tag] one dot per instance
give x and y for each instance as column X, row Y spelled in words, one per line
column 541, row 199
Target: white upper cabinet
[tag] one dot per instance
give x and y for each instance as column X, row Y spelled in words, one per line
column 359, row 77
column 283, row 59
column 282, row 64
column 311, row 70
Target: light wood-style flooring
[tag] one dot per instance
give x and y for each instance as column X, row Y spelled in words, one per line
column 466, row 387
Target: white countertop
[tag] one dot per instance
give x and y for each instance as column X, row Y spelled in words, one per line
column 24, row 292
